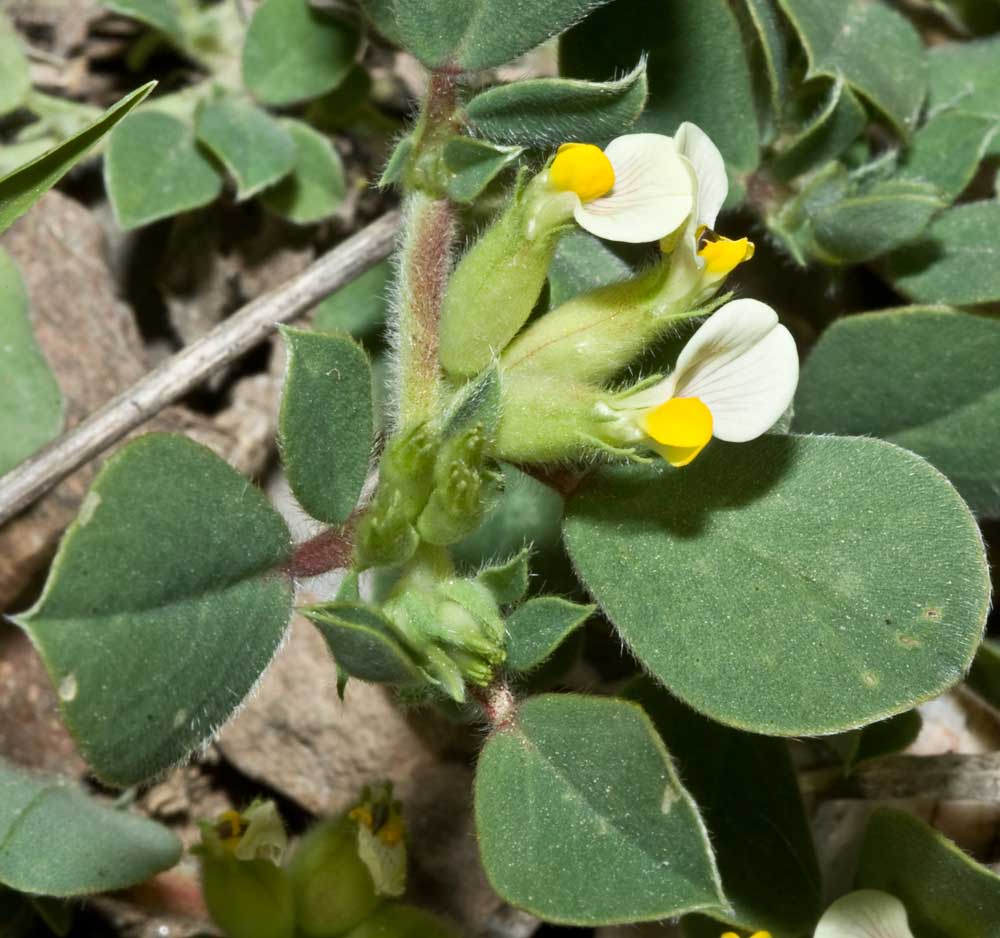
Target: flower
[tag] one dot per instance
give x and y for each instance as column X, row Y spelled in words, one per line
column 702, row 258
column 756, row 934
column 637, row 189
column 256, row 833
column 866, row 913
column 733, row 380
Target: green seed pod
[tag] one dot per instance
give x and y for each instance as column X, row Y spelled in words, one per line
column 404, row 921
column 333, row 889
column 248, row 898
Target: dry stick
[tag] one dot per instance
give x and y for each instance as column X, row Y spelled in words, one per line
column 193, row 364
column 953, row 776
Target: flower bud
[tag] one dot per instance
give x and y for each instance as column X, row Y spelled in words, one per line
column 333, row 888
column 497, row 283
column 248, row 898
column 464, row 489
column 247, row 894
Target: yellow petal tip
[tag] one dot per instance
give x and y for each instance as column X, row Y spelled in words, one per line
column 584, row 169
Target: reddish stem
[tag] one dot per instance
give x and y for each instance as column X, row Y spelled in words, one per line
column 498, row 705
column 328, row 550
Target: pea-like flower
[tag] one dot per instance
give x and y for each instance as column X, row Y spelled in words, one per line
column 701, row 257
column 637, row 189
column 867, row 913
column 734, row 378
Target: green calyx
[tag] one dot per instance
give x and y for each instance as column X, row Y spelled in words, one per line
column 497, row 283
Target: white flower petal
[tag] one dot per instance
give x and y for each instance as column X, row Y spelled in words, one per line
column 867, row 913
column 743, row 364
column 713, row 184
column 652, row 194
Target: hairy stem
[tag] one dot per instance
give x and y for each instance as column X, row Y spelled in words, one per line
column 425, row 261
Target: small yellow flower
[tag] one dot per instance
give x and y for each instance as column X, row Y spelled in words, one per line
column 256, row 833
column 756, row 934
column 735, row 377
column 700, row 256
column 637, row 189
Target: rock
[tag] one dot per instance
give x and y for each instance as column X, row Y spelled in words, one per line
column 32, row 734
column 93, row 346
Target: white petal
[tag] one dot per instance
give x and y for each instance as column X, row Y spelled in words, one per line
column 743, row 364
column 713, row 184
column 652, row 194
column 865, row 914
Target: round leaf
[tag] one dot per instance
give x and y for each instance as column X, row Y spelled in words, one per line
column 582, row 819
column 294, row 52
column 55, row 841
column 326, row 422
column 163, row 607
column 946, row 893
column 154, row 169
column 793, row 585
column 249, row 142
column 316, row 187
column 925, row 379
column 946, row 265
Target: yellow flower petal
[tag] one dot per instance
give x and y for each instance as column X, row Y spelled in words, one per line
column 584, row 169
column 722, row 255
column 682, row 426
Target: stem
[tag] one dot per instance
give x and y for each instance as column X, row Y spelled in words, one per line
column 425, row 264
column 497, row 703
column 328, row 550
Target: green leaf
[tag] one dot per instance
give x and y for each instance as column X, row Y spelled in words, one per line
column 163, row 607
column 984, row 678
column 768, row 58
column 868, row 224
column 877, row 739
column 23, row 187
column 792, row 585
column 550, row 111
column 582, row 820
column 874, row 48
column 946, row 893
column 925, row 379
column 748, row 793
column 953, row 262
column 508, row 581
column 475, row 34
column 477, row 403
column 294, row 52
column 398, row 163
column 325, row 430
column 538, row 627
column 13, row 67
column 154, row 169
column 695, row 50
column 55, row 841
column 948, row 149
column 248, row 141
column 360, row 307
column 31, row 404
column 473, row 164
column 966, row 75
column 316, row 187
column 162, row 15
column 833, row 127
column 363, row 643
column 581, row 263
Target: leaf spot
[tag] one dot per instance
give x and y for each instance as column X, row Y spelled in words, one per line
column 179, row 717
column 87, row 508
column 870, row 678
column 908, row 641
column 68, row 688
column 670, row 797
column 932, row 612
